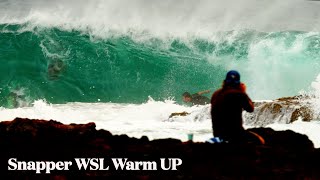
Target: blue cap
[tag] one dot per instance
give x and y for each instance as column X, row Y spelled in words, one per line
column 233, row 78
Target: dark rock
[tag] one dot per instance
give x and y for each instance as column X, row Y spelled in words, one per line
column 286, row 154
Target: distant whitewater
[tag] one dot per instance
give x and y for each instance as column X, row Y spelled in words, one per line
column 101, row 60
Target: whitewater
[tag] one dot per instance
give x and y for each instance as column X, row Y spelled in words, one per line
column 124, row 64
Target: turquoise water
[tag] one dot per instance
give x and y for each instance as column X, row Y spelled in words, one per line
column 63, row 66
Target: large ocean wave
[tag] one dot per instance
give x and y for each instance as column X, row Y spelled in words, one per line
column 73, row 66
column 124, row 51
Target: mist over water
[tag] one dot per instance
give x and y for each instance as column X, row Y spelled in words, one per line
column 179, row 17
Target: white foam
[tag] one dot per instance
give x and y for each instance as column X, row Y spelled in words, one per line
column 315, row 93
column 136, row 120
column 150, row 119
column 180, row 18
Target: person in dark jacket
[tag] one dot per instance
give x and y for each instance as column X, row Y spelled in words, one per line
column 227, row 105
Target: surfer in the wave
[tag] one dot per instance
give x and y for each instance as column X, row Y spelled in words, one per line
column 55, row 68
column 227, row 105
column 197, row 98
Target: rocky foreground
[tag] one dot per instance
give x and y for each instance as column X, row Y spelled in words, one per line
column 286, row 154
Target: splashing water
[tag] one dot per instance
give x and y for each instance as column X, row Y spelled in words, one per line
column 100, row 60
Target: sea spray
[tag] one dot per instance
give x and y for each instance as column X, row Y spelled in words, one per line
column 62, row 66
column 100, row 60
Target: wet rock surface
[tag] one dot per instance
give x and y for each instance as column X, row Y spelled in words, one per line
column 286, row 154
column 283, row 110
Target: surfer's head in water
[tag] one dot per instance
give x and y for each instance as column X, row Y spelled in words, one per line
column 186, row 97
column 55, row 68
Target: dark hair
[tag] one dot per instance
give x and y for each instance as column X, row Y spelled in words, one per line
column 186, row 94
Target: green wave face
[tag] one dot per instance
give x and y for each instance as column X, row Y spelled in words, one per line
column 72, row 66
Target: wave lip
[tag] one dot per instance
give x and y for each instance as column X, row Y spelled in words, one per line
column 163, row 17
